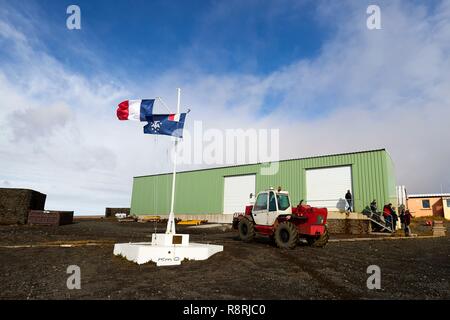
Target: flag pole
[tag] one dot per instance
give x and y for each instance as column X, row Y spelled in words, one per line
column 171, row 222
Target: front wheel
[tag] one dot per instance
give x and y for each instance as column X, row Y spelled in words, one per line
column 246, row 230
column 286, row 235
column 319, row 241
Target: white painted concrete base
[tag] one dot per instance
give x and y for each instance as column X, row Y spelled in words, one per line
column 348, row 216
column 166, row 250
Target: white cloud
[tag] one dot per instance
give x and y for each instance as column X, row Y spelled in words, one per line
column 31, row 124
column 367, row 89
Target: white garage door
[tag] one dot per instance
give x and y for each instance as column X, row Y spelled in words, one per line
column 326, row 187
column 237, row 190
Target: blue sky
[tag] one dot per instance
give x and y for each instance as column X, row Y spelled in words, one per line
column 150, row 36
column 311, row 69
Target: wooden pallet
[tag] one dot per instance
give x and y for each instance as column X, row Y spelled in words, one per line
column 149, row 219
column 192, row 222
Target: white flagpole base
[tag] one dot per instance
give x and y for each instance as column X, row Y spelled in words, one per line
column 166, row 250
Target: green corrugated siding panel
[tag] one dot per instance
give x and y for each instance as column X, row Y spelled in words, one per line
column 197, row 192
column 201, row 192
column 391, row 192
column 146, row 190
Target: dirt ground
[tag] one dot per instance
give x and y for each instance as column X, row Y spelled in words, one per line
column 410, row 268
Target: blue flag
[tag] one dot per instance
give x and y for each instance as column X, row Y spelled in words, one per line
column 167, row 124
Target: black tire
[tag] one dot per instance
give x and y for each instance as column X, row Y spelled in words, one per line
column 246, row 230
column 286, row 235
column 320, row 241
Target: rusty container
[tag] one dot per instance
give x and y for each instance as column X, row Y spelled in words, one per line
column 50, row 218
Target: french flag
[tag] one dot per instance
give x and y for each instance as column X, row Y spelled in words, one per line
column 136, row 110
column 174, row 117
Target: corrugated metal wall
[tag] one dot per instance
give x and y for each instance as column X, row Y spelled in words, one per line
column 391, row 182
column 201, row 192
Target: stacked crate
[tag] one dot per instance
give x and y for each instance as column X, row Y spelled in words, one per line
column 111, row 212
column 50, row 218
column 15, row 204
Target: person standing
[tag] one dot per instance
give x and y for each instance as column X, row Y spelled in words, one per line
column 394, row 219
column 407, row 221
column 402, row 216
column 387, row 215
column 373, row 206
column 348, row 198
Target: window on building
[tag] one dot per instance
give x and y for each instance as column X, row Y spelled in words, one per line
column 448, row 203
column 426, row 204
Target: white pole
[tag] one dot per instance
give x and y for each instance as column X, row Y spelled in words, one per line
column 171, row 222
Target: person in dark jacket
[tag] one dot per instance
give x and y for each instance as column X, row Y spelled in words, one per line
column 373, row 206
column 406, row 222
column 394, row 218
column 348, row 198
column 401, row 216
column 376, row 215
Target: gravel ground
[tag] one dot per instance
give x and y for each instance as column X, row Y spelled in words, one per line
column 410, row 268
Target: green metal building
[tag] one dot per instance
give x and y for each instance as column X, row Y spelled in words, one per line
column 319, row 181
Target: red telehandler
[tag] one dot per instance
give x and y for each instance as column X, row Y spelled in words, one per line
column 272, row 215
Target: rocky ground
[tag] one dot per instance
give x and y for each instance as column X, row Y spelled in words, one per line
column 410, row 268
